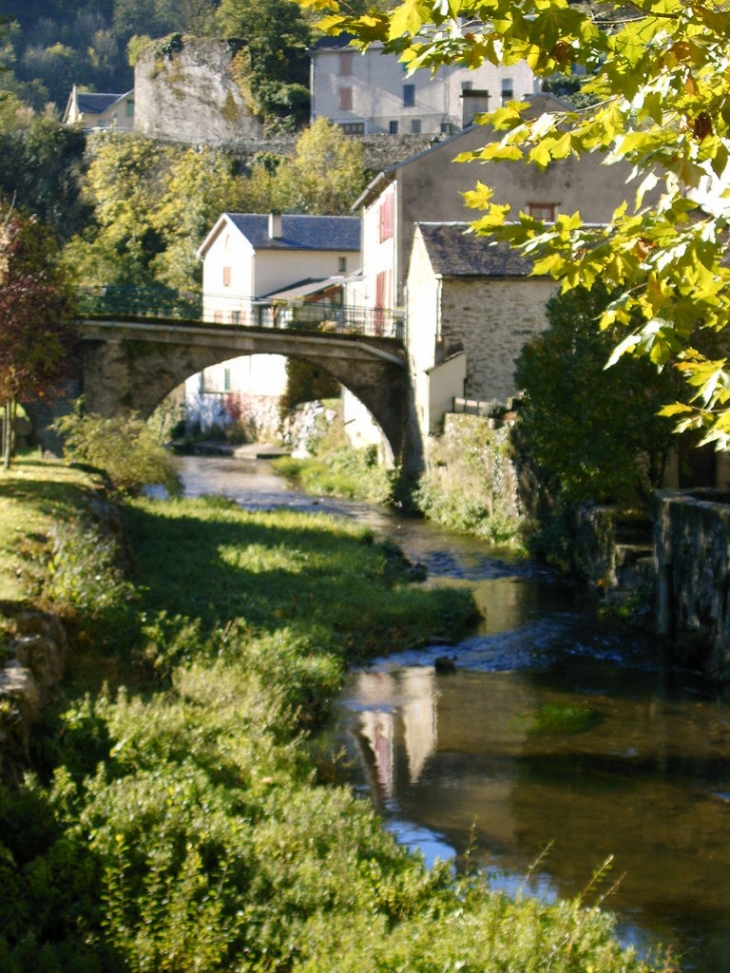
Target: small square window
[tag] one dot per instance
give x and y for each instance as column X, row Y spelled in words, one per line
column 415, row 126
column 409, row 95
column 542, row 211
column 393, row 128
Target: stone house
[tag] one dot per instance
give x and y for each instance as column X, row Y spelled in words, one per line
column 94, row 110
column 471, row 305
column 368, row 92
column 429, row 186
column 269, row 270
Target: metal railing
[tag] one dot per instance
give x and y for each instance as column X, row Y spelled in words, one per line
column 160, row 303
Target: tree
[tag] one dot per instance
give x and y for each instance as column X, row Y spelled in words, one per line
column 273, row 68
column 325, row 175
column 37, row 311
column 659, row 91
column 594, row 436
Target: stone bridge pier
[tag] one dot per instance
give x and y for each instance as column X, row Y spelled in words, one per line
column 132, row 366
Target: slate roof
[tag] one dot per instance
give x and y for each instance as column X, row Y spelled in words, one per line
column 455, row 253
column 94, row 102
column 300, row 232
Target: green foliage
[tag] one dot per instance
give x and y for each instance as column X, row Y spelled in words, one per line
column 183, row 828
column 656, row 99
column 41, row 165
column 468, row 486
column 306, row 383
column 152, row 206
column 338, row 469
column 593, row 434
column 273, row 73
column 565, row 718
column 124, row 448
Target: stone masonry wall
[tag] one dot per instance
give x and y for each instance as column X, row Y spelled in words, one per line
column 692, row 545
column 493, row 319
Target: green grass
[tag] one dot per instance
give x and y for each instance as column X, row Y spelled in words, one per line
column 178, row 820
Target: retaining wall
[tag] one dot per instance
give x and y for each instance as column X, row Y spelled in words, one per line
column 692, row 545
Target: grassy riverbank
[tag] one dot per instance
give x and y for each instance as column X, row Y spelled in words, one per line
column 179, row 817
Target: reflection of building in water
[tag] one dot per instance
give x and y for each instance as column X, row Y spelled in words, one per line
column 377, row 728
column 411, row 693
column 419, row 719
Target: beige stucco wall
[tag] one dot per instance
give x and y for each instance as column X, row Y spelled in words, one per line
column 376, row 82
column 191, row 96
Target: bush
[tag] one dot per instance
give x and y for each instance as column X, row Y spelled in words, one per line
column 122, row 447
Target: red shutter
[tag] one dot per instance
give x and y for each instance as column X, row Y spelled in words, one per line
column 386, row 218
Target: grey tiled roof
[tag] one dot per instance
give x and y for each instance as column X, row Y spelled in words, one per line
column 94, row 103
column 455, row 253
column 300, row 232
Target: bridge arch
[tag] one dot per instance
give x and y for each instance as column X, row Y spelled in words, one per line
column 131, row 366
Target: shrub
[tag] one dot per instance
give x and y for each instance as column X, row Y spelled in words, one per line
column 122, row 447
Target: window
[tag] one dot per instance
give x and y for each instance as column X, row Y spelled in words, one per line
column 345, row 63
column 393, row 128
column 235, row 317
column 415, row 126
column 226, row 276
column 386, row 218
column 409, row 95
column 353, row 128
column 342, row 265
column 218, row 317
column 508, row 91
column 130, row 109
column 542, row 211
column 346, row 99
column 226, row 380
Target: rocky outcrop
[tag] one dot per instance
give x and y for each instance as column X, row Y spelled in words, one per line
column 34, row 664
column 185, row 90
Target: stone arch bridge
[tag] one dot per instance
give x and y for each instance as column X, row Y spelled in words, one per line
column 132, row 365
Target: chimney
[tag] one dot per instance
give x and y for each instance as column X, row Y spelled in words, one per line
column 275, row 226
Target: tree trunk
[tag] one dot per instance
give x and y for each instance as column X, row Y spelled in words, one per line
column 10, row 408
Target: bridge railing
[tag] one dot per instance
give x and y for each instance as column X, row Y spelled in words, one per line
column 159, row 303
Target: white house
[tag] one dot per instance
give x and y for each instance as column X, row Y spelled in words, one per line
column 95, row 110
column 368, row 92
column 265, row 269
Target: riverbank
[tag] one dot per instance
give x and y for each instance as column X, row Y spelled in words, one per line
column 180, row 815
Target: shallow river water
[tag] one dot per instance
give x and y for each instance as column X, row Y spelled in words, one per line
column 557, row 743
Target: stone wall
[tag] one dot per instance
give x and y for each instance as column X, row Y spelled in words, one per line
column 692, row 544
column 34, row 663
column 493, row 319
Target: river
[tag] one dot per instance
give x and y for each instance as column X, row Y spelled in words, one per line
column 558, row 742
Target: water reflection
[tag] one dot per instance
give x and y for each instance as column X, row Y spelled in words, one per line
column 644, row 784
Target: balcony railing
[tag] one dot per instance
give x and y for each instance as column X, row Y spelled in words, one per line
column 166, row 304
